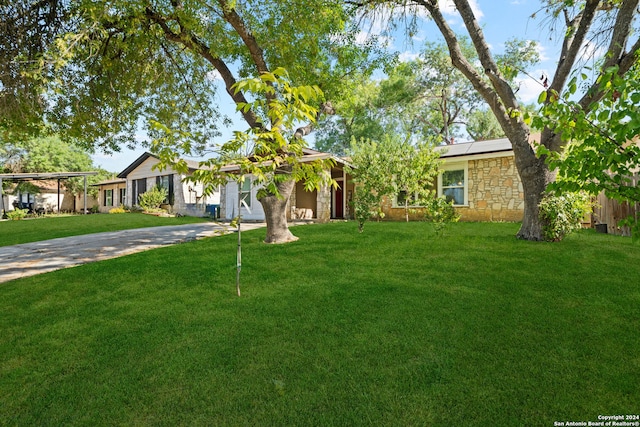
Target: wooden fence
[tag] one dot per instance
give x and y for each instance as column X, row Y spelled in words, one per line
column 610, row 212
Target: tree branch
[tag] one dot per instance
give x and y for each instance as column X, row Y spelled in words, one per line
column 197, row 46
column 577, row 29
column 255, row 51
column 616, row 54
column 325, row 108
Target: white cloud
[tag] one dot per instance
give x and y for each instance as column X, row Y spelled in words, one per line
column 542, row 52
column 448, row 8
column 214, row 75
column 530, row 88
column 592, row 52
column 407, row 56
column 364, row 37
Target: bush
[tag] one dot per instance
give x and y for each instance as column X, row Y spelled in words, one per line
column 440, row 212
column 119, row 210
column 17, row 214
column 152, row 199
column 561, row 215
column 366, row 205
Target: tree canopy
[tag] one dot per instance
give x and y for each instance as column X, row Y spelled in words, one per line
column 126, row 65
column 27, row 30
column 421, row 99
column 603, row 150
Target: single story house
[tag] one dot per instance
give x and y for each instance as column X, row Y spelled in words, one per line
column 185, row 198
column 317, row 205
column 111, row 194
column 481, row 179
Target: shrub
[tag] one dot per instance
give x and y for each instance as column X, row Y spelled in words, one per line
column 152, row 199
column 119, row 210
column 563, row 214
column 366, row 205
column 17, row 214
column 440, row 212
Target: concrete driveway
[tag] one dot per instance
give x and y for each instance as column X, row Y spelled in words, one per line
column 29, row 259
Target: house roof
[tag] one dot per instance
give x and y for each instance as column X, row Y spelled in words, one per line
column 475, row 147
column 111, row 181
column 308, row 155
column 192, row 164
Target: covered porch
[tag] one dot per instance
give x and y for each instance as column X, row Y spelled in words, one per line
column 324, row 204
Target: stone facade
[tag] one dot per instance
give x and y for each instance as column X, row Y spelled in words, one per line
column 494, row 193
column 494, row 190
column 324, row 204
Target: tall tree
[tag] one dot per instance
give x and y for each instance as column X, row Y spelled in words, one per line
column 423, row 98
column 482, row 125
column 45, row 154
column 156, row 64
column 609, row 24
column 357, row 116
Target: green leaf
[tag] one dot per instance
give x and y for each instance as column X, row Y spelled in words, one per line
column 542, row 97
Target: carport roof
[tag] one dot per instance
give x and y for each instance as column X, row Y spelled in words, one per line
column 18, row 177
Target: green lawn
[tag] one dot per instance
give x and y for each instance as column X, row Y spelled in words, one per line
column 51, row 227
column 390, row 327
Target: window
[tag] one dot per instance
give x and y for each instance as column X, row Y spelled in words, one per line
column 166, row 181
column 108, row 197
column 245, row 193
column 401, row 198
column 123, row 196
column 453, row 185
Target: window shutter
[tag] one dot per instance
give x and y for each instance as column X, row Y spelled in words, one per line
column 171, row 198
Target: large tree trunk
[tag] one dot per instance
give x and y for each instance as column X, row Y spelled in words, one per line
column 275, row 213
column 535, row 176
column 534, row 182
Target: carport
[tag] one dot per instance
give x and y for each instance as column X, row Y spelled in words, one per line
column 22, row 177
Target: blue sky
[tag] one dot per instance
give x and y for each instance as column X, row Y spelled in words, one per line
column 501, row 20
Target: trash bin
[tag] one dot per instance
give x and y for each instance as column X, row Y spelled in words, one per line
column 213, row 211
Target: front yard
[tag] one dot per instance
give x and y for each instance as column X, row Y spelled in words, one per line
column 391, row 327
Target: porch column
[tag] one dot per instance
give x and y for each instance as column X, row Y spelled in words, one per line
column 2, row 199
column 85, row 195
column 324, row 204
column 58, row 196
column 345, row 206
